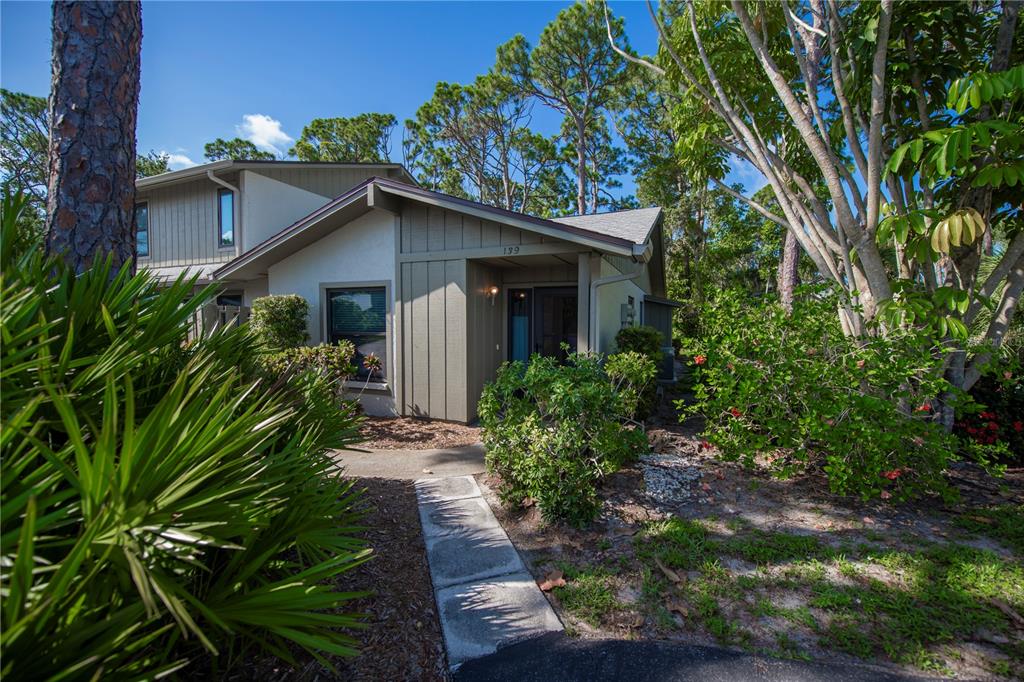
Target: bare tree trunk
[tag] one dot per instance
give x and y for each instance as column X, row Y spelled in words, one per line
column 581, row 168
column 93, row 108
column 788, row 275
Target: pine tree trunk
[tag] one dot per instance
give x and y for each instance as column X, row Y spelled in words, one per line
column 581, row 169
column 788, row 276
column 93, row 107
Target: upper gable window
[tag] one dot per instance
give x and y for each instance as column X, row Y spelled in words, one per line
column 226, row 216
column 142, row 230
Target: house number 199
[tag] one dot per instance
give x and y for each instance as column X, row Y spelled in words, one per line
column 511, row 250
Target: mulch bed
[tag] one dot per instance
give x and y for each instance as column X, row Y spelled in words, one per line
column 409, row 433
column 403, row 639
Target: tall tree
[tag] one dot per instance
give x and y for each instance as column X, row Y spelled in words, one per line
column 24, row 139
column 365, row 138
column 823, row 98
column 476, row 138
column 153, row 163
column 235, row 149
column 575, row 71
column 94, row 104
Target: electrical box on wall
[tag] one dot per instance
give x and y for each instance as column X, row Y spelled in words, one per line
column 627, row 314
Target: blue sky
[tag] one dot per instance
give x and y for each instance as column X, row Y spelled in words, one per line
column 263, row 69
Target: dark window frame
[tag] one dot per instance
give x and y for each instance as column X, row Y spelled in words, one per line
column 221, row 243
column 138, row 205
column 331, row 337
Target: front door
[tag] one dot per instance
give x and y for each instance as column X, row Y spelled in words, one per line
column 540, row 320
column 554, row 321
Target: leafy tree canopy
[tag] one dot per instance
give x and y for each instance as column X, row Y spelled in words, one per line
column 235, row 149
column 365, row 138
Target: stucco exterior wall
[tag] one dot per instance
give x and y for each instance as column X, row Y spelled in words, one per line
column 610, row 297
column 269, row 206
column 359, row 252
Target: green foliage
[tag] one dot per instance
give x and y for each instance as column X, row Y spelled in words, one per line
column 634, row 376
column 235, row 149
column 474, row 141
column 552, row 432
column 153, row 163
column 160, row 502
column 365, row 138
column 24, row 142
column 641, row 339
column 331, row 361
column 796, row 390
column 279, row 322
column 574, row 70
column 995, row 416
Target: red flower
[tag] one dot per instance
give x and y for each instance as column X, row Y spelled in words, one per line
column 734, row 412
column 993, row 426
column 705, row 445
column 987, row 415
column 700, row 359
column 892, row 475
column 1018, row 426
column 924, row 407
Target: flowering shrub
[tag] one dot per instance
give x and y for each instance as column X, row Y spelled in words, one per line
column 332, row 362
column 794, row 389
column 552, row 432
column 996, row 418
column 279, row 322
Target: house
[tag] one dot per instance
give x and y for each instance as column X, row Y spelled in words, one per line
column 441, row 289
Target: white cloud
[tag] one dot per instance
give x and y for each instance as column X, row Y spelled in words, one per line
column 177, row 161
column 264, row 132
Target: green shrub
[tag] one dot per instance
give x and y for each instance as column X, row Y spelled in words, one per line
column 160, row 503
column 332, row 361
column 794, row 389
column 634, row 376
column 646, row 341
column 641, row 339
column 279, row 321
column 553, row 431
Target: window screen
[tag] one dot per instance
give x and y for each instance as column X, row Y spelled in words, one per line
column 142, row 229
column 360, row 315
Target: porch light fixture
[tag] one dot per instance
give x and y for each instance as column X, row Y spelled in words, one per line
column 492, row 293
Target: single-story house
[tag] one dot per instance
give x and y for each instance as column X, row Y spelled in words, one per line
column 440, row 288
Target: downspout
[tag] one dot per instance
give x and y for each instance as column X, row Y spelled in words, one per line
column 236, row 213
column 595, row 309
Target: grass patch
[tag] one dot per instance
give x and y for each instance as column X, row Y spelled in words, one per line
column 762, row 547
column 1004, row 523
column 587, row 594
column 932, row 595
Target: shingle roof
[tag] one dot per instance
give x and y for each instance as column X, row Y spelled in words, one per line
column 634, row 225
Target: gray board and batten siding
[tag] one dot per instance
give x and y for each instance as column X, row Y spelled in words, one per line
column 452, row 328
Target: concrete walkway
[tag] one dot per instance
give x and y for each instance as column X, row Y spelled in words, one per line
column 413, row 464
column 486, row 598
